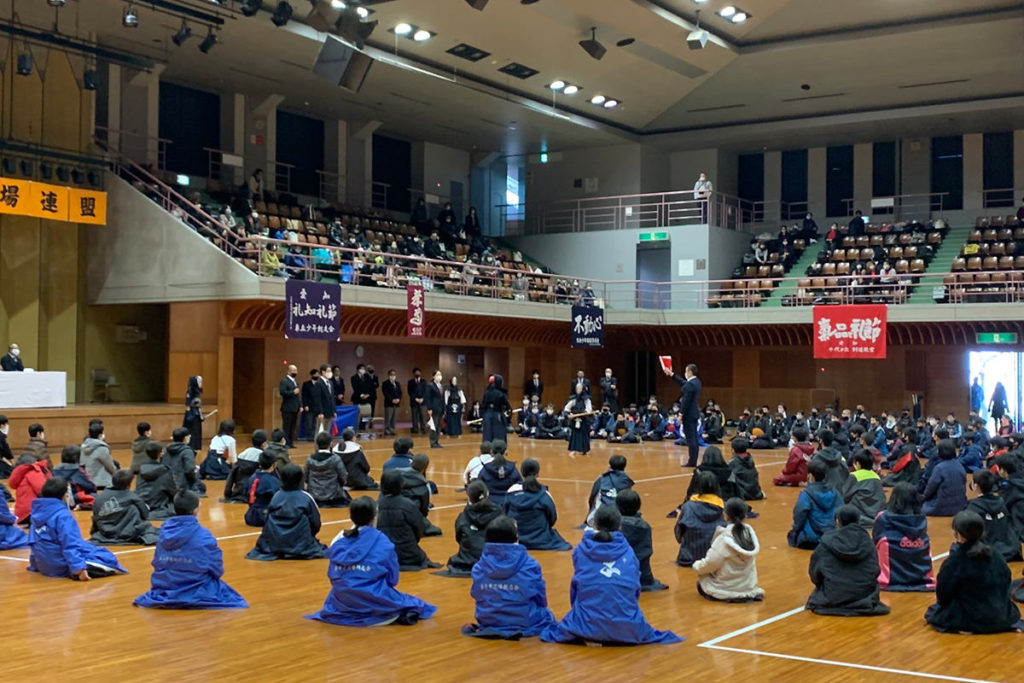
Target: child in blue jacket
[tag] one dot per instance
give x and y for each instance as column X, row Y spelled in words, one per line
column 945, row 492
column 508, row 587
column 815, row 509
column 533, row 509
column 970, row 455
column 188, row 565
column 261, row 489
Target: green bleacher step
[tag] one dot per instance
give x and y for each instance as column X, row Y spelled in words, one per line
column 941, row 263
column 789, row 285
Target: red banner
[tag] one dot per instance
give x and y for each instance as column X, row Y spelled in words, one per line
column 416, row 325
column 850, row 331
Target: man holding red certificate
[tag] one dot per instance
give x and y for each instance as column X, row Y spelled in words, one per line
column 689, row 400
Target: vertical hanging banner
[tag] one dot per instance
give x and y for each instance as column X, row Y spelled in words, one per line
column 850, row 331
column 415, row 311
column 587, row 327
column 312, row 310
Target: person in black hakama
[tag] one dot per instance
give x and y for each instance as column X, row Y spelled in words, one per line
column 494, row 405
column 579, row 427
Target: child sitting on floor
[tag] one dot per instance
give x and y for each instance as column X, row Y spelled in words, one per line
column 236, row 489
column 945, row 491
column 416, row 488
column 326, row 474
column 712, row 461
column 188, row 565
column 293, row 521
column 901, row 538
column 605, row 591
column 476, row 463
column 401, row 458
column 638, row 532
column 402, row 522
column 470, row 527
column 181, row 461
column 999, row 532
column 699, row 518
column 508, row 587
column 82, row 488
column 531, row 506
column 155, row 484
column 972, row 591
column 11, row 537
column 27, row 480
column 748, row 484
column 262, row 486
column 864, row 488
column 815, row 509
column 729, row 570
column 499, row 474
column 794, row 472
column 120, row 517
column 607, row 487
column 844, row 570
column 357, row 467
column 58, row 548
column 364, row 573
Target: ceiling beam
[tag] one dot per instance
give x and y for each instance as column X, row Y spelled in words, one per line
column 659, row 9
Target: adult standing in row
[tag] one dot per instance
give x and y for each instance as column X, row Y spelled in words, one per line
column 417, row 390
column 362, row 389
column 435, row 408
column 493, row 408
column 288, row 389
column 392, row 390
column 337, row 385
column 535, row 387
column 310, row 402
column 689, row 400
column 325, row 400
column 580, row 379
column 610, row 390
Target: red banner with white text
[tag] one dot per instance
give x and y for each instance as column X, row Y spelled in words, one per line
column 415, row 326
column 850, row 331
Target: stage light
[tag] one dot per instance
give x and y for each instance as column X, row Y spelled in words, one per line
column 129, row 19
column 351, row 28
column 591, row 46
column 362, row 12
column 571, row 89
column 282, row 14
column 611, row 104
column 91, row 79
column 182, row 35
column 422, row 35
column 403, row 29
column 208, row 42
column 557, row 85
column 597, row 99
column 251, row 8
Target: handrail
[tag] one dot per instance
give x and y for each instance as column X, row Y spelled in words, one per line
column 329, row 185
column 1001, row 197
column 105, row 143
column 215, row 164
column 920, row 206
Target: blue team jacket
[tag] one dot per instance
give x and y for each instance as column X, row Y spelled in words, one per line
column 510, row 594
column 58, row 548
column 535, row 513
column 11, row 537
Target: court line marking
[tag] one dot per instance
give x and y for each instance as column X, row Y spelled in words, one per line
column 683, row 475
column 15, row 559
column 752, row 627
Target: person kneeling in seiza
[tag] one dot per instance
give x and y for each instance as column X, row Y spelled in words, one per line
column 293, row 521
column 120, row 516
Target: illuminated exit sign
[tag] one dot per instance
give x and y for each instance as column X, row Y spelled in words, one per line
column 653, row 236
column 996, row 337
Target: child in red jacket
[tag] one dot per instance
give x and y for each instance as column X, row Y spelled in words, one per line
column 794, row 473
column 27, row 480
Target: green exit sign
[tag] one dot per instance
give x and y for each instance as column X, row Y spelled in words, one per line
column 653, row 236
column 996, row 337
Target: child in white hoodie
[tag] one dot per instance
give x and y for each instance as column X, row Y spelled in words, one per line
column 728, row 572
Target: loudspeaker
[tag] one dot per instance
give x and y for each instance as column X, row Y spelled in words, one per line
column 342, row 64
column 477, row 4
column 593, row 48
column 24, row 64
column 90, row 79
column 698, row 39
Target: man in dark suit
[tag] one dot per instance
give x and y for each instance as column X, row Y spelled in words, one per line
column 310, row 403
column 12, row 361
column 288, row 389
column 579, row 379
column 610, row 390
column 325, row 400
column 689, row 400
column 535, row 387
column 362, row 389
column 374, row 387
column 435, row 407
column 337, row 385
column 392, row 390
column 417, row 390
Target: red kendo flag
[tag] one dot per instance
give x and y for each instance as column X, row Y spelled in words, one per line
column 666, row 363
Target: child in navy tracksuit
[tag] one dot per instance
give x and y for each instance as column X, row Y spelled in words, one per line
column 699, row 518
column 638, row 532
column 901, row 539
column 261, row 489
column 970, row 453
column 606, row 488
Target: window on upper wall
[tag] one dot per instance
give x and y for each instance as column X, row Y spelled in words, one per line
column 750, row 185
column 883, row 169
column 838, row 180
column 190, row 119
column 392, row 173
column 948, row 171
column 300, row 153
column 997, row 169
column 794, row 184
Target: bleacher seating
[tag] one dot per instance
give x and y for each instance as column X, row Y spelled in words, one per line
column 990, row 266
column 753, row 282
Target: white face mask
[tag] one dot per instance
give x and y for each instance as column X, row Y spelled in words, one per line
column 607, row 374
column 437, row 378
column 361, row 372
column 327, row 375
column 6, row 428
column 15, row 352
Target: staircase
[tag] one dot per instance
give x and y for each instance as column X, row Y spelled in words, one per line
column 941, row 263
column 789, row 285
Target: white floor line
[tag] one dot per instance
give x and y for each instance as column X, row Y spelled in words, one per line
column 936, row 558
column 683, row 475
column 748, row 629
column 849, row 665
column 15, row 559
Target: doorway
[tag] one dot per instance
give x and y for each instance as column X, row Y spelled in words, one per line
column 997, row 367
column 653, row 274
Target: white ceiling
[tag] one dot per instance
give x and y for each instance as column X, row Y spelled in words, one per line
column 857, row 56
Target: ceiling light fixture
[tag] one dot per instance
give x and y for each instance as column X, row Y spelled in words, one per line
column 597, row 99
column 571, row 89
column 739, row 17
column 403, row 29
column 25, row 63
column 129, row 19
column 421, row 35
column 182, row 35
column 56, row 3
column 338, row 4
column 362, row 12
column 208, row 42
column 611, row 104
column 282, row 14
column 727, row 11
column 591, row 46
column 557, row 85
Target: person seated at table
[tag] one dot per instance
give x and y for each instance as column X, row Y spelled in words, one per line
column 120, row 517
column 293, row 521
column 364, row 573
column 188, row 565
column 844, row 570
column 326, row 475
column 357, row 467
column 58, row 549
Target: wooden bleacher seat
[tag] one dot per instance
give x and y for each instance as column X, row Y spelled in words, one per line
column 843, row 268
column 902, row 266
column 910, row 253
column 828, row 269
column 917, row 265
column 839, row 255
column 1005, row 263
column 975, row 236
column 974, row 263
column 896, row 253
column 990, row 263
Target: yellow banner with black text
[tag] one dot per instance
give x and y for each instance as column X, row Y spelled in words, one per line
column 55, row 202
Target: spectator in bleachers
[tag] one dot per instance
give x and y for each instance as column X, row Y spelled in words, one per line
column 433, row 248
column 761, row 253
column 472, row 224
column 809, row 229
column 857, row 225
column 420, row 218
column 270, row 263
column 256, row 185
column 1020, row 213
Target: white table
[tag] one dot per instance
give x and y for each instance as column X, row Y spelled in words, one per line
column 33, row 390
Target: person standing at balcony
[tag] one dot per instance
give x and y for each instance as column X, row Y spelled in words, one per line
column 702, row 190
column 256, row 185
column 857, row 225
column 472, row 224
column 420, row 218
column 809, row 230
column 689, row 399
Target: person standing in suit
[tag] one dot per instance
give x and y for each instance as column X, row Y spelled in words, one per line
column 535, row 387
column 309, row 403
column 12, row 361
column 288, row 389
column 392, row 391
column 374, row 387
column 579, row 379
column 435, row 407
column 325, row 400
column 337, row 385
column 610, row 390
column 362, row 388
column 689, row 399
column 417, row 389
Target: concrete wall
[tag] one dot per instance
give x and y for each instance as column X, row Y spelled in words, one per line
column 617, row 169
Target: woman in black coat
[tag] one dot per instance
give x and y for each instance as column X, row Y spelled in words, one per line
column 973, row 587
column 494, row 405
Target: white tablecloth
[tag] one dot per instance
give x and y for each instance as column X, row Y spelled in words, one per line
column 33, row 390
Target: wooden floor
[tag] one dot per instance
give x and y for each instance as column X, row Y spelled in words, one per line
column 92, row 630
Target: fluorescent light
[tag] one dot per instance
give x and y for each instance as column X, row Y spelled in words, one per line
column 727, row 11
column 739, row 17
column 405, row 29
column 700, row 2
column 597, row 99
column 557, row 85
column 338, row 4
column 362, row 12
column 183, row 180
column 571, row 89
column 421, row 35
column 611, row 104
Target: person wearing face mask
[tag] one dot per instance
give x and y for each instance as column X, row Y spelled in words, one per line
column 392, row 391
column 455, row 402
column 535, row 387
column 362, row 388
column 324, row 393
column 289, row 391
column 417, row 389
column 337, row 385
column 610, row 390
column 374, row 386
column 435, row 408
column 12, row 361
column 6, row 455
column 579, row 379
